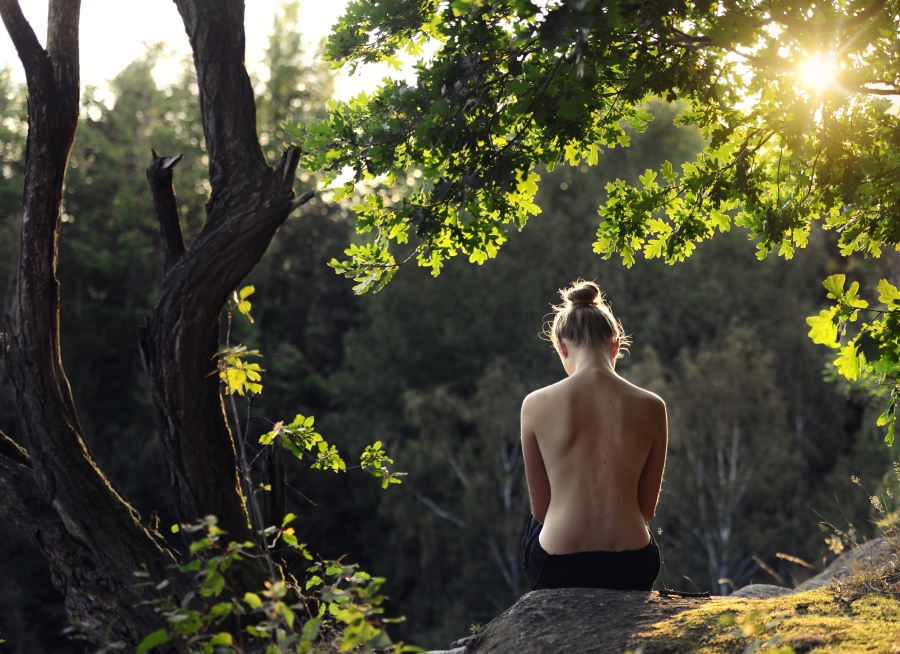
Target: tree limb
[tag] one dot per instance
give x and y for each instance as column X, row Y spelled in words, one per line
column 274, row 499
column 227, row 104
column 62, row 45
column 438, row 511
column 303, row 199
column 95, row 592
column 31, row 54
column 159, row 175
column 13, row 451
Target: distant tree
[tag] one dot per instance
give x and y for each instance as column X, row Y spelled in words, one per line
column 729, row 438
column 792, row 97
column 472, row 445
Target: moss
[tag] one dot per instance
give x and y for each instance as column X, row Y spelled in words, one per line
column 815, row 621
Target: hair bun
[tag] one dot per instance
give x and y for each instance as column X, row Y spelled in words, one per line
column 582, row 294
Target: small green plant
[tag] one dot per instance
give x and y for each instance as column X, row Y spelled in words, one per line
column 338, row 608
column 299, row 437
column 475, row 627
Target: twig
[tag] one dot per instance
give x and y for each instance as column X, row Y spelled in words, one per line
column 678, row 593
column 242, row 464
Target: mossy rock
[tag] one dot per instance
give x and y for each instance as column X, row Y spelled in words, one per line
column 588, row 621
column 814, row 621
column 814, row 617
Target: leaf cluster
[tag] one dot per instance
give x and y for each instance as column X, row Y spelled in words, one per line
column 299, row 437
column 374, row 460
column 872, row 350
column 516, row 84
column 513, row 85
column 345, row 605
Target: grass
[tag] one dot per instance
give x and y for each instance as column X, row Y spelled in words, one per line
column 820, row 620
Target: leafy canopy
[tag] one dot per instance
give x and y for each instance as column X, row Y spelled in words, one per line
column 516, row 84
column 796, row 99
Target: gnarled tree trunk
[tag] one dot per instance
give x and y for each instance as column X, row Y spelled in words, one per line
column 55, row 492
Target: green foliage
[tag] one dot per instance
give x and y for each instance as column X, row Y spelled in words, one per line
column 299, row 437
column 373, row 459
column 515, row 84
column 872, row 350
column 238, row 375
column 345, row 608
column 242, row 303
column 159, row 637
column 495, row 101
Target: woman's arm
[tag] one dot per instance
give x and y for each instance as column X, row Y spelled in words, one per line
column 535, row 473
column 651, row 477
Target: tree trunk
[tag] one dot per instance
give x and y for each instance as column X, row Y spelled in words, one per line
column 55, row 492
column 93, row 539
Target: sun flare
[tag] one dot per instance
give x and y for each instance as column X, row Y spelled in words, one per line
column 817, row 72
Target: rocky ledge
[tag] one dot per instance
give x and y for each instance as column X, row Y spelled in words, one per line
column 597, row 621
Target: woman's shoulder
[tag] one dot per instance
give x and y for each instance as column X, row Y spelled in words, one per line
column 648, row 401
column 542, row 396
column 641, row 393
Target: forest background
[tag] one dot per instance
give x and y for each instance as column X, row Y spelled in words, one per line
column 763, row 440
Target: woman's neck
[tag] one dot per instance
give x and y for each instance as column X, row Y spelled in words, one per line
column 591, row 358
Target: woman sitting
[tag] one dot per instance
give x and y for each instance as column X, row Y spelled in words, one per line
column 594, row 447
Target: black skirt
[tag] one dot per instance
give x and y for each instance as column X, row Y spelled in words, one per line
column 626, row 570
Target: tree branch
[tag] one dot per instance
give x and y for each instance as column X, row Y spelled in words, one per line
column 887, row 92
column 62, row 45
column 31, row 54
column 13, row 451
column 274, row 500
column 227, row 104
column 159, row 175
column 303, row 199
column 842, row 23
column 438, row 511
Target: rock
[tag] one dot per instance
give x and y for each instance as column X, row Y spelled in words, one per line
column 596, row 621
column 872, row 552
column 582, row 620
column 456, row 647
column 762, row 590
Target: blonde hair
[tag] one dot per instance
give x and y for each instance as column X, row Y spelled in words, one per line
column 585, row 318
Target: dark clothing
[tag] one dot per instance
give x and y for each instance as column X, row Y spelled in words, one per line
column 627, row 570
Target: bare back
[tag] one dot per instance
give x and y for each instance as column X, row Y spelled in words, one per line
column 594, row 447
